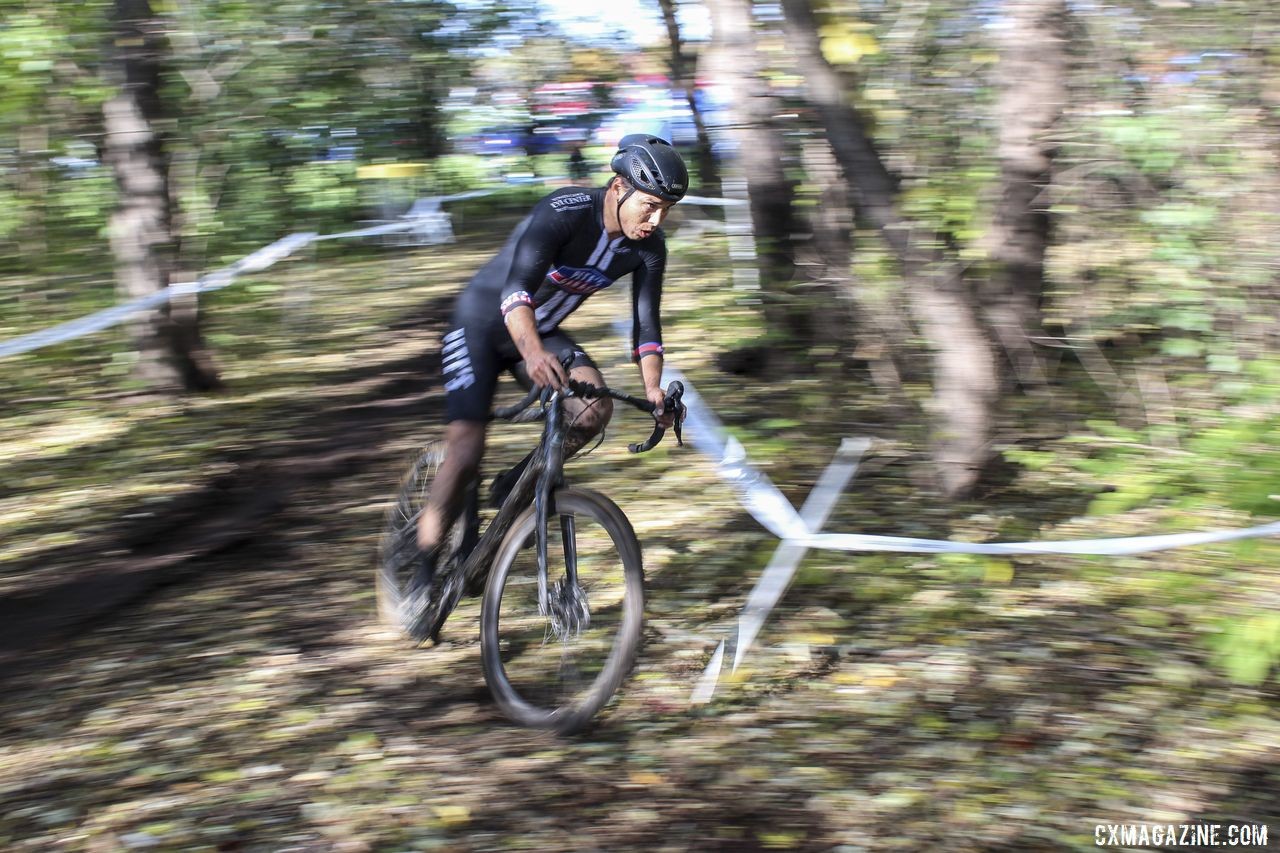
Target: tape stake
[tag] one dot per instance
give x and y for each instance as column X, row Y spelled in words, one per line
column 782, row 567
column 786, row 558
column 706, row 686
column 765, row 502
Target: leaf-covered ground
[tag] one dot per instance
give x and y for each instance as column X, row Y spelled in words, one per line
column 192, row 659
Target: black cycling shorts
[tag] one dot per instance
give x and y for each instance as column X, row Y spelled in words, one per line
column 473, row 355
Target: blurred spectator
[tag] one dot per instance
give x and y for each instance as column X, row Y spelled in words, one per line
column 578, row 168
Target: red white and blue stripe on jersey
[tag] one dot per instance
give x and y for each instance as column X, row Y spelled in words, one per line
column 584, row 281
column 650, row 348
column 515, row 300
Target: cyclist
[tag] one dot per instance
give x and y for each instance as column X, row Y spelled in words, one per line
column 575, row 242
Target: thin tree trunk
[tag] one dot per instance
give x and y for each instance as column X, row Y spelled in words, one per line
column 682, row 75
column 760, row 151
column 1032, row 71
column 33, row 187
column 171, row 356
column 761, row 157
column 963, row 367
column 831, row 270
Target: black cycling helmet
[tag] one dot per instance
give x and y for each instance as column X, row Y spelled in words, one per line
column 652, row 166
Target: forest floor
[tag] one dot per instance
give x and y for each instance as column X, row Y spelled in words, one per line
column 195, row 663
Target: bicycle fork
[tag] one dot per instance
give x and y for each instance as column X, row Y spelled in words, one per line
column 564, row 605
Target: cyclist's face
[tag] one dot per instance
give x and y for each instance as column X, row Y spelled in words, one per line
column 641, row 214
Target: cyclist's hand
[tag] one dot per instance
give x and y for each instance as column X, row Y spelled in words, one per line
column 658, row 397
column 545, row 370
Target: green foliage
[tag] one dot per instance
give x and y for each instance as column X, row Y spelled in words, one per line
column 1229, row 460
column 83, row 202
column 1249, row 649
column 327, row 190
column 29, row 47
column 10, row 213
column 1152, row 142
column 246, row 88
column 457, row 173
column 951, row 199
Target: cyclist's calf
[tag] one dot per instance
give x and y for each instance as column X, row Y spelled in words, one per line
column 464, row 448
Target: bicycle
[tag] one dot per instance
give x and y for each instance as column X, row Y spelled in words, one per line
column 563, row 603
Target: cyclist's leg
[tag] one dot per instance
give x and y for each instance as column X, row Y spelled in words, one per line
column 464, row 448
column 471, row 367
column 588, row 417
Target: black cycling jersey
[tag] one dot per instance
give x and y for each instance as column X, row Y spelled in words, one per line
column 558, row 256
column 555, row 258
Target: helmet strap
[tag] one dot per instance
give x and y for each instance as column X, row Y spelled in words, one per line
column 617, row 213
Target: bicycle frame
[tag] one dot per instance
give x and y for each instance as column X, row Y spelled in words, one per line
column 538, row 482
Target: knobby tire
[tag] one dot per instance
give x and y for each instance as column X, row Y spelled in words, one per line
column 519, row 651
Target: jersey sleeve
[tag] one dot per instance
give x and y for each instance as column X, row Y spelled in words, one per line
column 646, row 303
column 544, row 234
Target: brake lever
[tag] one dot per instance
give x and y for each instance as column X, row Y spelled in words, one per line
column 674, row 402
column 671, row 403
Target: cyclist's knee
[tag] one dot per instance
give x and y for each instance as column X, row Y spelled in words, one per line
column 589, row 416
column 593, row 417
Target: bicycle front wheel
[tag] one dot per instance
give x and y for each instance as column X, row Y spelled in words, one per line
column 555, row 668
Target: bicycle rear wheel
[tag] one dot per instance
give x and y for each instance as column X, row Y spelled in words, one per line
column 398, row 544
column 557, row 670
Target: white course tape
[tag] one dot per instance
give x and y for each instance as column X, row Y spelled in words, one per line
column 771, row 508
column 82, row 326
column 108, row 317
column 1095, row 547
column 712, row 202
column 763, row 500
column 255, row 262
column 260, row 260
column 767, row 505
column 268, row 255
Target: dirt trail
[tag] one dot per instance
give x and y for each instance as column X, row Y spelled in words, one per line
column 214, row 679
column 121, row 566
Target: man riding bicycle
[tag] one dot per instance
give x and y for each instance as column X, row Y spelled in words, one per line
column 573, row 243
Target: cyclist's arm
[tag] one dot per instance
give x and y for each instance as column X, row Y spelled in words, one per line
column 544, row 233
column 543, row 367
column 646, row 326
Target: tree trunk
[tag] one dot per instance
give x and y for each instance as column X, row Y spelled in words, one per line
column 682, row 75
column 760, row 153
column 964, row 373
column 33, row 187
column 1032, row 72
column 171, row 356
column 867, row 329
